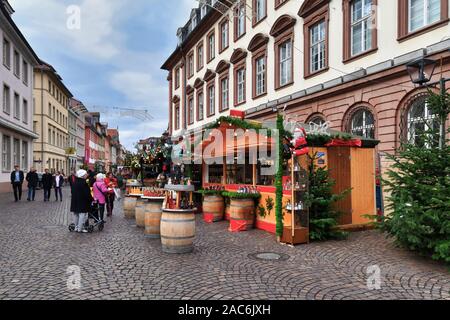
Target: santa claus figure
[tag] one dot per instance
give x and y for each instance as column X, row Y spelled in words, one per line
column 299, row 143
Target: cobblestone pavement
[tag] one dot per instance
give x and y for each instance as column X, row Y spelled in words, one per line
column 119, row 263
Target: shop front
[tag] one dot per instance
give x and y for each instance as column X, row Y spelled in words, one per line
column 248, row 165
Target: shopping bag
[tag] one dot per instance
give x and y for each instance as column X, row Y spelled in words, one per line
column 118, row 193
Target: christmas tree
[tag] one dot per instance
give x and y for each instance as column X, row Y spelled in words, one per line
column 419, row 186
column 321, row 201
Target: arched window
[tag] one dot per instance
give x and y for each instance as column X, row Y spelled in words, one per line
column 316, row 120
column 420, row 119
column 362, row 123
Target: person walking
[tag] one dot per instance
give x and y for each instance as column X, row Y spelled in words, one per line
column 81, row 201
column 33, row 180
column 58, row 182
column 100, row 190
column 17, row 178
column 111, row 183
column 47, row 182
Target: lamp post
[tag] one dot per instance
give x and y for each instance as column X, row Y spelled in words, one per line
column 421, row 72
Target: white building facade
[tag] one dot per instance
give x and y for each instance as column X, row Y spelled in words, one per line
column 340, row 61
column 16, row 96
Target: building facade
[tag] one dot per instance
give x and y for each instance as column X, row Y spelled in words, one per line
column 95, row 135
column 79, row 110
column 116, row 157
column 16, row 95
column 51, row 118
column 72, row 146
column 336, row 61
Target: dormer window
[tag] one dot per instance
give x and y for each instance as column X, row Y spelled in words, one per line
column 203, row 11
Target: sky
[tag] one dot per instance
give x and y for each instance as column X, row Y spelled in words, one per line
column 113, row 59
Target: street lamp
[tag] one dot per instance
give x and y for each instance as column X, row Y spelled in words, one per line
column 421, row 71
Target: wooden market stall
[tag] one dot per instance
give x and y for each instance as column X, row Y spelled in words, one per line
column 351, row 163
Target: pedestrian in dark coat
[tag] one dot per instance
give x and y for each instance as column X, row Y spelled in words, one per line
column 47, row 183
column 17, row 178
column 33, row 180
column 81, row 201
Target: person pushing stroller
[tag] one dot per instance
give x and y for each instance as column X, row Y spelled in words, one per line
column 81, row 201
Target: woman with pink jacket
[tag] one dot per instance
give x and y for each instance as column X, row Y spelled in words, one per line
column 100, row 190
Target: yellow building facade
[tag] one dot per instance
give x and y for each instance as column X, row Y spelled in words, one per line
column 51, row 120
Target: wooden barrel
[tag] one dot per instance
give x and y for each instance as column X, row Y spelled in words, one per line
column 177, row 230
column 242, row 214
column 140, row 212
column 129, row 204
column 213, row 208
column 153, row 212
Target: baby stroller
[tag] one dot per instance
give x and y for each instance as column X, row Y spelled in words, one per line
column 93, row 221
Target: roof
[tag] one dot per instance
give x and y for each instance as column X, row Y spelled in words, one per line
column 52, row 71
column 7, row 10
column 77, row 106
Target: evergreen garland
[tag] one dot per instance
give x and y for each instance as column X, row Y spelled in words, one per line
column 210, row 192
column 279, row 179
column 238, row 195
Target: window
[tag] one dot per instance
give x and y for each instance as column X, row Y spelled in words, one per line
column 316, row 120
column 239, row 21
column 16, row 106
column 278, row 3
column 203, row 11
column 258, row 47
column 317, row 47
column 259, row 10
column 6, row 99
column 25, row 72
column 315, row 32
column 177, row 116
column 285, row 63
column 6, row 153
column 224, row 35
column 6, row 53
column 421, row 119
column 49, row 110
column 240, row 86
column 224, row 94
column 200, row 106
column 200, row 57
column 422, row 13
column 190, row 64
column 362, row 123
column 25, row 154
column 16, row 69
column 177, row 78
column 211, row 46
column 49, row 138
column 361, row 28
column 211, row 100
column 191, row 110
column 16, row 152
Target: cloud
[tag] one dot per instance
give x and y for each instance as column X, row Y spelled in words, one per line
column 122, row 43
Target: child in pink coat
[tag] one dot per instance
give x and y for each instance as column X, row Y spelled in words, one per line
column 100, row 190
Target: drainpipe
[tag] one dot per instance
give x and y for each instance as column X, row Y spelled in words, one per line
column 42, row 120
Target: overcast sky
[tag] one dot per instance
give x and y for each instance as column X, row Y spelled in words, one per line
column 114, row 59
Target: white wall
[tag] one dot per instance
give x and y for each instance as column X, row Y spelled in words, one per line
column 388, row 48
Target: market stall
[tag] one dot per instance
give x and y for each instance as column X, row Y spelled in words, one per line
column 351, row 161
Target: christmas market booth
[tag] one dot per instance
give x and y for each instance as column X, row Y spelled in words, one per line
column 253, row 189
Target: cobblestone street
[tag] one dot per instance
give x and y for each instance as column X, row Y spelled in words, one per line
column 119, row 263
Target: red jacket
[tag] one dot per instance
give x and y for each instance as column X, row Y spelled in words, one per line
column 111, row 183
